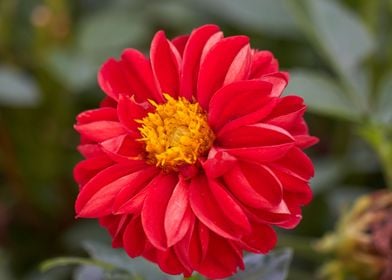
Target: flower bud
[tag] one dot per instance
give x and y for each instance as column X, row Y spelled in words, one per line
column 361, row 244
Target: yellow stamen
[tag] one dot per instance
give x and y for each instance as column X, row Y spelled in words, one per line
column 176, row 133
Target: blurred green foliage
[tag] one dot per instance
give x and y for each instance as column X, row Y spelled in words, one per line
column 338, row 52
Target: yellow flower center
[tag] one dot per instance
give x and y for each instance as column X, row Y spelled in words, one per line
column 176, row 133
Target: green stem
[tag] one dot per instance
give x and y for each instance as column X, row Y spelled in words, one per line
column 62, row 261
column 377, row 137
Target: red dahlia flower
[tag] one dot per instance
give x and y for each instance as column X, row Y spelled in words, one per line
column 193, row 155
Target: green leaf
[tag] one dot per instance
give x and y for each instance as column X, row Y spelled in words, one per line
column 342, row 33
column 17, row 89
column 383, row 108
column 118, row 258
column 74, row 70
column 321, row 94
column 88, row 272
column 274, row 266
column 269, row 16
column 342, row 38
column 108, row 32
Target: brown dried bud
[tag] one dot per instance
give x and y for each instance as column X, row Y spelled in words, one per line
column 362, row 241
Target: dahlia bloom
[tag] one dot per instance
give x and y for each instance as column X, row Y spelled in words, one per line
column 193, row 155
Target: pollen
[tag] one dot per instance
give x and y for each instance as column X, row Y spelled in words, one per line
column 177, row 133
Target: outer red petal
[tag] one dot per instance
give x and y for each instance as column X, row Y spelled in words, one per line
column 263, row 63
column 100, row 181
column 140, row 182
column 140, row 76
column 100, row 131
column 192, row 58
column 279, row 81
column 222, row 259
column 101, row 203
column 101, row 114
column 262, row 239
column 90, row 150
column 166, row 62
column 112, row 79
column 116, row 226
column 154, row 209
column 294, row 184
column 229, row 206
column 240, row 67
column 192, row 249
column 259, row 142
column 215, row 66
column 251, row 118
column 179, row 216
column 254, row 185
column 237, row 100
column 208, row 211
column 297, row 162
column 88, row 168
column 256, row 135
column 180, row 42
column 134, row 239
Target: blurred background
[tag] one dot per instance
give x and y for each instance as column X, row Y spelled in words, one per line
column 339, row 54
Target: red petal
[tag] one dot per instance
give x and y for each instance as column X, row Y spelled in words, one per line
column 140, row 76
column 129, row 110
column 222, row 259
column 207, row 210
column 264, row 154
column 165, row 61
column 104, row 178
column 297, row 162
column 115, row 225
column 280, row 216
column 101, row 114
column 193, row 248
column 294, row 184
column 168, row 262
column 279, row 82
column 262, row 239
column 123, row 147
column 287, row 112
column 180, row 42
column 101, row 202
column 257, row 135
column 218, row 163
column 100, row 131
column 108, row 102
column 239, row 69
column 154, row 208
column 88, row 168
column 251, row 118
column 263, row 63
column 134, row 239
column 215, row 66
column 178, row 216
column 132, row 196
column 192, row 57
column 112, row 79
column 230, row 208
column 305, row 141
column 254, row 185
column 90, row 150
column 237, row 100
